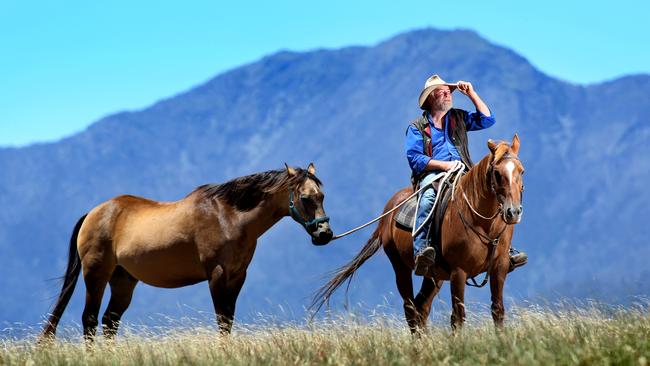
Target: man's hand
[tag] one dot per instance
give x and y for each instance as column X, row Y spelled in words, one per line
column 451, row 165
column 465, row 87
column 443, row 165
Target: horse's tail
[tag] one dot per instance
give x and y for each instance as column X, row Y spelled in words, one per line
column 346, row 272
column 69, row 282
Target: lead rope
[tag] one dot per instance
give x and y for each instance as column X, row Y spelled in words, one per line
column 443, row 175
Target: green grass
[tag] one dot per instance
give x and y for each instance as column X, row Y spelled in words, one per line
column 533, row 336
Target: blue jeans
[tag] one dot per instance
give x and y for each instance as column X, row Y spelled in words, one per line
column 427, row 198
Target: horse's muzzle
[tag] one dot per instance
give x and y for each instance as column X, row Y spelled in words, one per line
column 322, row 235
column 512, row 215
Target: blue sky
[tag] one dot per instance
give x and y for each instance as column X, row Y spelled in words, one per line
column 66, row 64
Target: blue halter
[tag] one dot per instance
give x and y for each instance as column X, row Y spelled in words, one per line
column 310, row 226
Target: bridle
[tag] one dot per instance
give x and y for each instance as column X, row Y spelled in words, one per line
column 310, row 226
column 490, row 242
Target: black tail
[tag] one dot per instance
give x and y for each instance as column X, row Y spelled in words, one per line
column 69, row 281
column 346, row 272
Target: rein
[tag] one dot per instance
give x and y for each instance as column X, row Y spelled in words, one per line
column 491, row 243
column 478, row 214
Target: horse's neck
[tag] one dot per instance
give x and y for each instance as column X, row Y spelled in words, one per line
column 267, row 213
column 480, row 196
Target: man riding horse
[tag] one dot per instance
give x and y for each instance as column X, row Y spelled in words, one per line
column 435, row 143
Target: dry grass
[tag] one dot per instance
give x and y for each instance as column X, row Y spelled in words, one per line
column 533, row 336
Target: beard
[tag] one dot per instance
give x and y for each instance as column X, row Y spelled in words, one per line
column 443, row 106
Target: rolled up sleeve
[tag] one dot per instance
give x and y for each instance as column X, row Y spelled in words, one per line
column 414, row 147
column 477, row 121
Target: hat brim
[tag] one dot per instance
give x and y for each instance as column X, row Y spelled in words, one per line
column 425, row 93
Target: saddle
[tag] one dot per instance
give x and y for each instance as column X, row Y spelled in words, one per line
column 405, row 219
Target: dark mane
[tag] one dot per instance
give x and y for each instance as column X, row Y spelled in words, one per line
column 246, row 193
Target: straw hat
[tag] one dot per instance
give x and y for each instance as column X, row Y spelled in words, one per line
column 433, row 82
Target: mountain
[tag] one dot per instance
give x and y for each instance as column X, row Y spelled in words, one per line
column 585, row 149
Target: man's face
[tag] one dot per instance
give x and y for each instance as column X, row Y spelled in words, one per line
column 440, row 99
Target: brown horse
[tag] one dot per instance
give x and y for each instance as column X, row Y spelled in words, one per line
column 494, row 185
column 210, row 235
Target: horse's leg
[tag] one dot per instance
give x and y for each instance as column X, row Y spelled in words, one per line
column 404, row 286
column 457, row 284
column 95, row 277
column 122, row 286
column 424, row 298
column 497, row 280
column 224, row 289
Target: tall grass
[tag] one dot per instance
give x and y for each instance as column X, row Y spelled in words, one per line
column 532, row 336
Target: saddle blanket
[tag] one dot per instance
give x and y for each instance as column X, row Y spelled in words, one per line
column 406, row 214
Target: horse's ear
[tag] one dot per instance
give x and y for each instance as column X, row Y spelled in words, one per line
column 291, row 171
column 311, row 169
column 492, row 146
column 515, row 144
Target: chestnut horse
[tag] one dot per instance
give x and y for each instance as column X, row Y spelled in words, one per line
column 491, row 188
column 210, row 235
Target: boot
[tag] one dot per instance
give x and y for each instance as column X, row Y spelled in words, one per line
column 517, row 259
column 423, row 260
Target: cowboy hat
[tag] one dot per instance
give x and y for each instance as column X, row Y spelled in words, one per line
column 433, row 82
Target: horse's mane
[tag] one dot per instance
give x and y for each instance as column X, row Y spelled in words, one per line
column 246, row 193
column 475, row 183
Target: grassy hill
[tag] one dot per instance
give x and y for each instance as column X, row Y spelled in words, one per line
column 533, row 336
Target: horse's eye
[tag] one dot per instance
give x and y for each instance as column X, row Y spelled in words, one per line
column 306, row 201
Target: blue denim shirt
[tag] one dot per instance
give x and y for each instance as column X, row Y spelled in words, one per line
column 442, row 146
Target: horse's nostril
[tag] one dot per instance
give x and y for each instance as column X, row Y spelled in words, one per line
column 325, row 235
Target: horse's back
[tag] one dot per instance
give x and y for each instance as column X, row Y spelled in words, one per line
column 399, row 197
column 103, row 218
column 152, row 240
